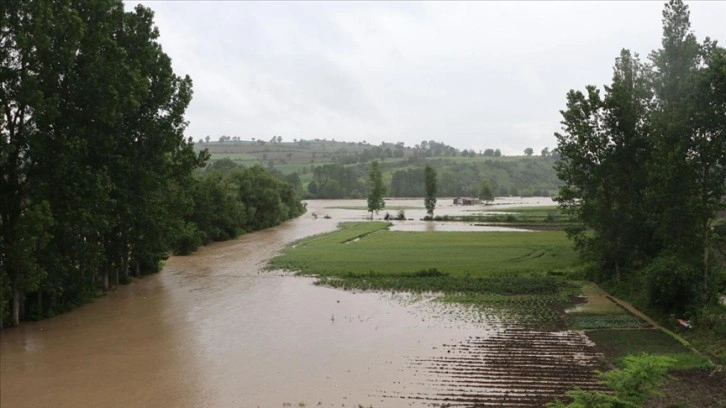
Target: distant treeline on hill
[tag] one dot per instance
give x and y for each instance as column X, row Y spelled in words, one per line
column 330, row 169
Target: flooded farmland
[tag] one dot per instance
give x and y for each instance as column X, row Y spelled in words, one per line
column 216, row 330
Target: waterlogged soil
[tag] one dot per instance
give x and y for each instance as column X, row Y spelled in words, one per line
column 216, row 330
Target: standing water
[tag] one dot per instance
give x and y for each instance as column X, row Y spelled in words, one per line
column 214, row 329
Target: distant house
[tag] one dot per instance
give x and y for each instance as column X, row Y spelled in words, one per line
column 466, row 201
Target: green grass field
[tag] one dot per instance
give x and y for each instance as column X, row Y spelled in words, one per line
column 369, row 248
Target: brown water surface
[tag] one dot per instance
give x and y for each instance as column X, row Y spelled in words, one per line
column 216, row 330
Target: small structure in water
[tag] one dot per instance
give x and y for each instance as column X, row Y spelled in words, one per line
column 466, row 201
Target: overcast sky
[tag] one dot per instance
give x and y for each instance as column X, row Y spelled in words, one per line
column 470, row 74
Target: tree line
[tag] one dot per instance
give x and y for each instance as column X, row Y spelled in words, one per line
column 515, row 178
column 229, row 200
column 98, row 181
column 644, row 166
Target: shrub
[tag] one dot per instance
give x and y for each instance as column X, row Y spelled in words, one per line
column 429, row 273
column 673, row 284
column 188, row 240
column 638, row 380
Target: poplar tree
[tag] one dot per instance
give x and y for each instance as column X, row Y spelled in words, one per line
column 95, row 165
column 644, row 165
column 430, row 184
column 376, row 189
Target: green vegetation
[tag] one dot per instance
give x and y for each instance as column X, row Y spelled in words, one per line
column 512, row 276
column 638, row 380
column 376, row 190
column 98, row 180
column 228, row 200
column 94, row 163
column 526, row 278
column 458, row 254
column 644, row 171
column 330, row 169
column 430, row 184
column 485, row 193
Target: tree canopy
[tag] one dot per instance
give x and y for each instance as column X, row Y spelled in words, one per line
column 644, row 164
column 430, row 183
column 376, row 189
column 97, row 177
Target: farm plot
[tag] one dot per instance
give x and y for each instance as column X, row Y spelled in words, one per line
column 513, row 368
column 523, row 357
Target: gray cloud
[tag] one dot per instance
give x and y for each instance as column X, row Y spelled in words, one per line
column 471, row 74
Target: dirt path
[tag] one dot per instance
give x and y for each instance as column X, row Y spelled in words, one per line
column 633, row 310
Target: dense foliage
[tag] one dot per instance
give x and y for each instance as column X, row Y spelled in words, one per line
column 229, row 200
column 330, row 169
column 644, row 166
column 430, row 197
column 337, row 181
column 638, row 379
column 97, row 178
column 376, row 189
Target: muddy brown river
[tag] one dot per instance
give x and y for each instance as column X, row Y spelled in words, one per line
column 216, row 330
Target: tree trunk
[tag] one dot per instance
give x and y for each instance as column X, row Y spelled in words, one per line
column 125, row 268
column 15, row 313
column 706, row 237
column 105, row 282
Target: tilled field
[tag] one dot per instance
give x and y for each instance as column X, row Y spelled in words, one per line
column 512, row 368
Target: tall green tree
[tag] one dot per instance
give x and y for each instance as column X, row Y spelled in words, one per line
column 603, row 147
column 430, row 184
column 95, row 166
column 687, row 181
column 486, row 193
column 643, row 166
column 376, row 189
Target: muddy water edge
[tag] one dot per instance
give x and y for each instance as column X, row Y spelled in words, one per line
column 216, row 330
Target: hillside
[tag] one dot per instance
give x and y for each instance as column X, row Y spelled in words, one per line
column 330, row 169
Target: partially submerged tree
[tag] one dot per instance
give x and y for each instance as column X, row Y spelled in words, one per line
column 376, row 189
column 486, row 193
column 430, row 184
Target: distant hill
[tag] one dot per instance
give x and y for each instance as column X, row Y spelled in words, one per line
column 330, row 169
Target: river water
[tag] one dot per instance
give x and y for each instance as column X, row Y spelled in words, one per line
column 215, row 329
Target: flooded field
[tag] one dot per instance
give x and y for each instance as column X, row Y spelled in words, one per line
column 216, row 330
column 415, row 211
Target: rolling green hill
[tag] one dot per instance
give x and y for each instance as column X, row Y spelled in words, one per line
column 330, row 169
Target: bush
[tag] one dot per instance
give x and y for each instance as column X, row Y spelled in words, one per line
column 429, row 273
column 638, row 380
column 188, row 240
column 673, row 284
